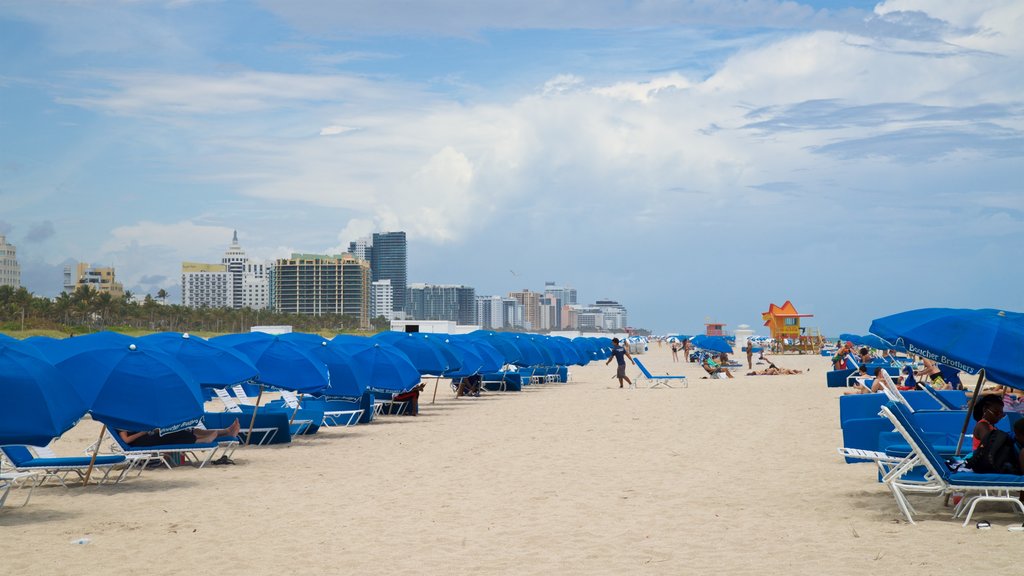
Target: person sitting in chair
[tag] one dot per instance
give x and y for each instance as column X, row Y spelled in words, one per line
column 412, row 397
column 712, row 367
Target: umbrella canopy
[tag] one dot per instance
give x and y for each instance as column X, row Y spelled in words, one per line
column 472, row 360
column 135, row 387
column 713, row 343
column 38, row 404
column 965, row 339
column 57, row 349
column 493, row 359
column 505, row 347
column 346, row 379
column 425, row 354
column 587, row 347
column 383, row 367
column 281, row 363
column 576, row 355
column 211, row 364
column 530, row 354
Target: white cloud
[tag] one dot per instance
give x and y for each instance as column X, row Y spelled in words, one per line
column 334, row 130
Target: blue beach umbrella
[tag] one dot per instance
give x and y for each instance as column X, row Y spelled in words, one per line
column 493, row 359
column 135, row 386
column 6, row 338
column 37, row 404
column 530, row 354
column 281, row 363
column 571, row 352
column 712, row 343
column 346, row 380
column 986, row 342
column 57, row 349
column 587, row 346
column 506, row 347
column 425, row 354
column 211, row 364
column 382, row 367
column 472, row 362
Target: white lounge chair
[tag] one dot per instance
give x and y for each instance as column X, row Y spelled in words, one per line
column 658, row 380
column 10, row 480
column 938, row 477
column 266, row 435
column 47, row 464
column 331, row 417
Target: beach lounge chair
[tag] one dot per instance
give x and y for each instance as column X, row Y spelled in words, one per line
column 658, row 380
column 200, row 453
column 48, row 465
column 11, row 480
column 266, row 434
column 939, row 479
column 384, row 403
column 298, row 422
column 330, row 418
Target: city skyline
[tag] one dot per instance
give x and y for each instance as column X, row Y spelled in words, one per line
column 695, row 160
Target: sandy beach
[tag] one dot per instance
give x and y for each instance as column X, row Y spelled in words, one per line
column 723, row 476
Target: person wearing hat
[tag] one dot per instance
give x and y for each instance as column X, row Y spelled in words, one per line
column 619, row 353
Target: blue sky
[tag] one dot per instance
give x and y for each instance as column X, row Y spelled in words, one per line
column 692, row 159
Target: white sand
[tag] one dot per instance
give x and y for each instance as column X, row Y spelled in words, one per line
column 725, row 476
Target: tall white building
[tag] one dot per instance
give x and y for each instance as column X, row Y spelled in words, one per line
column 206, row 285
column 382, row 301
column 497, row 312
column 361, row 248
column 10, row 271
column 256, row 284
column 234, row 261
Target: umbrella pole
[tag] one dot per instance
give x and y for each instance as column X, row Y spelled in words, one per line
column 296, row 411
column 92, row 461
column 438, row 379
column 252, row 421
column 970, row 408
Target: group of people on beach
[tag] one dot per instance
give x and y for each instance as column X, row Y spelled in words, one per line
column 714, row 365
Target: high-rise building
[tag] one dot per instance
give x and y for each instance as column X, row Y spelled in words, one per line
column 256, row 284
column 361, row 248
column 388, row 261
column 206, row 285
column 234, row 260
column 319, row 284
column 531, row 307
column 550, row 314
column 382, row 300
column 563, row 297
column 497, row 312
column 99, row 278
column 10, row 271
column 442, row 302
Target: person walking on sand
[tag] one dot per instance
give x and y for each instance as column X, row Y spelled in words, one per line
column 620, row 354
column 750, row 354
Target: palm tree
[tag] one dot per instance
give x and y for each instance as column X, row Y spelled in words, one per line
column 162, row 295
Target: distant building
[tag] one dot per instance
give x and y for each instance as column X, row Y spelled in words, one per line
column 530, row 302
column 382, row 300
column 234, row 261
column 206, row 285
column 388, row 261
column 615, row 317
column 256, row 284
column 320, row 284
column 603, row 315
column 387, row 254
column 497, row 312
column 563, row 297
column 102, row 279
column 10, row 271
column 441, row 302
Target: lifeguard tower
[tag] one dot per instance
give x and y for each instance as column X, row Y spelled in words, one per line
column 714, row 329
column 784, row 324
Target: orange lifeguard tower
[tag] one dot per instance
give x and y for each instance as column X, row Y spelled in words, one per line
column 784, row 324
column 714, row 329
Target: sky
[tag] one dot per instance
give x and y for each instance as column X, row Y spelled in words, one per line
column 694, row 160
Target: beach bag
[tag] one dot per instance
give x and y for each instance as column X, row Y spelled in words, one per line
column 996, row 455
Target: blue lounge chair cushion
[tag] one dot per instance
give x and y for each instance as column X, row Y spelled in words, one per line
column 21, row 457
column 972, row 479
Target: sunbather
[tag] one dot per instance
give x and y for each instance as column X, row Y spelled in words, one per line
column 412, row 396
column 469, row 386
column 988, row 410
column 193, row 436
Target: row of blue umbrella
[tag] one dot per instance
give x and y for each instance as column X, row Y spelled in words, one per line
column 154, row 382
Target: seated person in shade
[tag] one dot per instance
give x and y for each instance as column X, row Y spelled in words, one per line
column 876, row 384
column 470, row 386
column 412, row 398
column 712, row 367
column 193, row 436
column 865, row 356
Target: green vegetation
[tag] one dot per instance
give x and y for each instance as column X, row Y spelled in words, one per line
column 22, row 314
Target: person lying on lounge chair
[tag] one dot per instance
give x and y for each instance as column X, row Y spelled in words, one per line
column 193, row 436
column 412, row 396
column 876, row 384
column 712, row 367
